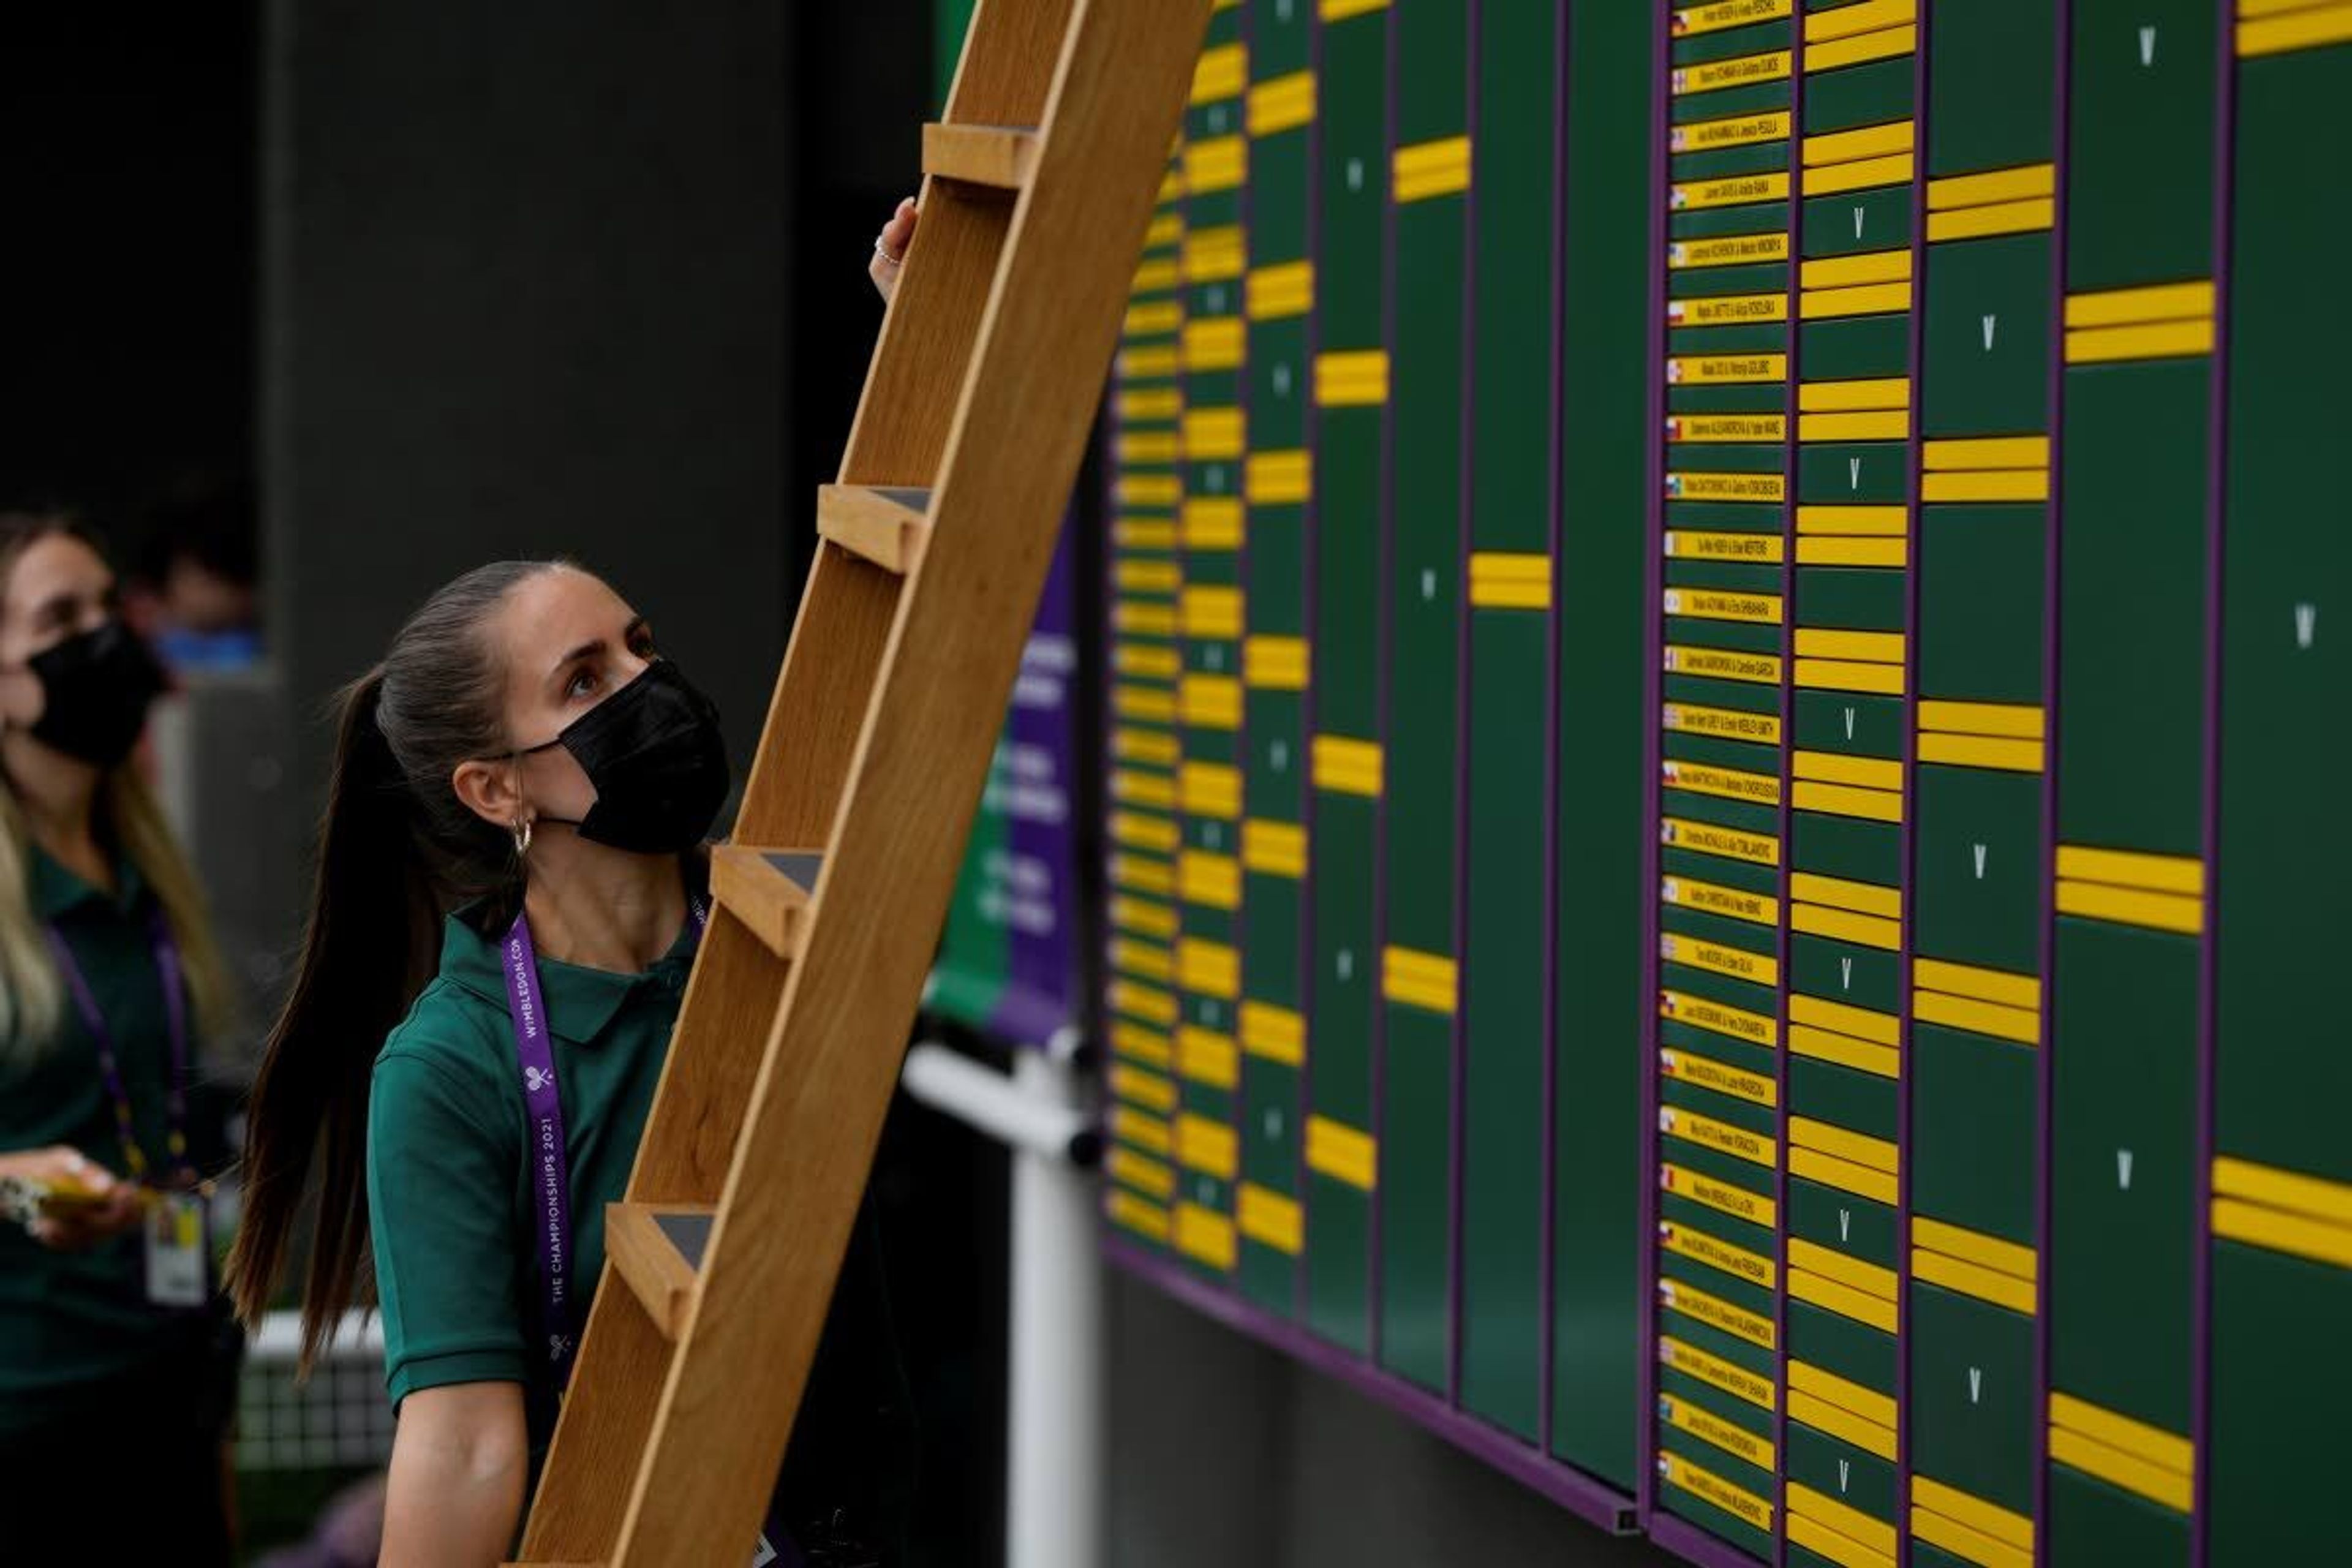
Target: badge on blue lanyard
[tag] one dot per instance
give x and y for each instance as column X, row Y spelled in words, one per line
column 177, row 1225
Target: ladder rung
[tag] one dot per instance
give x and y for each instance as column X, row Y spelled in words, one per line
column 657, row 1247
column 885, row 524
column 768, row 891
column 999, row 155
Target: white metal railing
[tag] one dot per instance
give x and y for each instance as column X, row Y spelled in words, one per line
column 340, row 1418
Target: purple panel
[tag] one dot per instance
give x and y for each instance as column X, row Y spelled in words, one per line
column 1654, row 643
column 2200, row 1388
column 1042, row 913
column 1590, row 1500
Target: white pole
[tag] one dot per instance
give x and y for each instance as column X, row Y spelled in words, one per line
column 1052, row 1481
column 1037, row 1117
column 1054, row 1484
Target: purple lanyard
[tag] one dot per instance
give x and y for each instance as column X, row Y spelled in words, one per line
column 109, row 1065
column 550, row 1184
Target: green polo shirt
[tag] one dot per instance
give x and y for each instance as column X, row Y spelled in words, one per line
column 450, row 1191
column 450, row 1196
column 72, row 1322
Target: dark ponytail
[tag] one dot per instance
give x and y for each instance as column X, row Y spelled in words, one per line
column 397, row 850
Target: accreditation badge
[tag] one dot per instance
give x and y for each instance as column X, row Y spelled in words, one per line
column 179, row 1251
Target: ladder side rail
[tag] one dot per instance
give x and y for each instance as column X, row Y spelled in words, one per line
column 808, row 738
column 922, row 356
column 998, row 79
column 831, row 1060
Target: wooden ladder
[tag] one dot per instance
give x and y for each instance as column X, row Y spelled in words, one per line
column 934, row 549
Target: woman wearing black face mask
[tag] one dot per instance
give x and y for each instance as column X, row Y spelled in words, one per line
column 115, row 1366
column 521, row 788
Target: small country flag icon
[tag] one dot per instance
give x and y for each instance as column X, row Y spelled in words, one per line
column 1682, row 81
column 1666, row 1178
column 1667, row 1064
column 1676, row 309
column 1674, row 372
column 1673, row 255
column 1678, row 138
column 1666, row 1010
column 1668, row 833
column 1674, row 429
column 1682, row 22
column 1674, row 484
column 1678, row 197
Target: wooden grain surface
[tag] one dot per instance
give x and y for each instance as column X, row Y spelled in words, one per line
column 984, row 386
column 875, row 524
column 1000, row 156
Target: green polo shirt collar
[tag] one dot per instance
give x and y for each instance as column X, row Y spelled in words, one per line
column 581, row 1002
column 56, row 891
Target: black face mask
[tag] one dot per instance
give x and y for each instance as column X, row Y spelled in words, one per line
column 653, row 751
column 96, row 687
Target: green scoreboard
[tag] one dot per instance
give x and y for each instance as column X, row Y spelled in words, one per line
column 1717, row 637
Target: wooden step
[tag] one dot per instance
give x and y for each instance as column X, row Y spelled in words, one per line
column 885, row 524
column 658, row 1248
column 769, row 890
column 1002, row 156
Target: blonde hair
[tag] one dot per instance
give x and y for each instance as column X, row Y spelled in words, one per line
column 32, row 993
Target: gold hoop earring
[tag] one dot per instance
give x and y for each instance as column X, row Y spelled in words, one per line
column 522, row 831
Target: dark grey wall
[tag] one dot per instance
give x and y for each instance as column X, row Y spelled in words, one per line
column 1224, row 1451
column 526, row 274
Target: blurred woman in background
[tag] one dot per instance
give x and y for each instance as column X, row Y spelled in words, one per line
column 117, row 1368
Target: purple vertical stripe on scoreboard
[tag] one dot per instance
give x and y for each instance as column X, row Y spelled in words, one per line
column 1653, row 691
column 1101, row 611
column 2200, row 1340
column 1549, row 1035
column 1791, row 397
column 2045, row 1112
column 1913, row 555
column 1383, row 657
column 1463, row 960
column 1309, row 519
column 1239, row 1104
